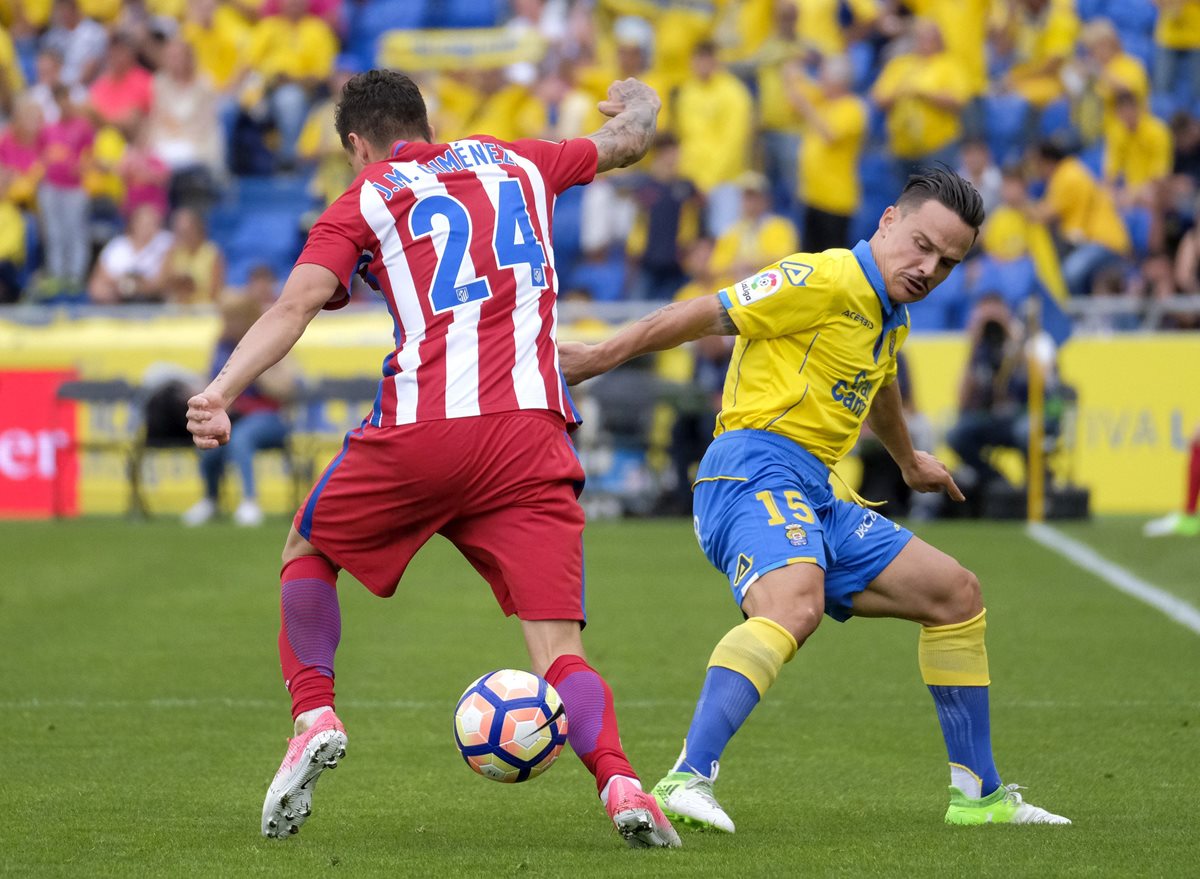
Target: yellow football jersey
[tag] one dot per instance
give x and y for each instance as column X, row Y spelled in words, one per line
column 818, row 337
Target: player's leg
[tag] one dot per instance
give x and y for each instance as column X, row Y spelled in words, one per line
column 556, row 651
column 330, row 531
column 756, row 518
column 783, row 607
column 310, row 629
column 931, row 588
column 525, row 536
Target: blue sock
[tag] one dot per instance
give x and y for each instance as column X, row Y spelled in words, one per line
column 967, row 728
column 726, row 700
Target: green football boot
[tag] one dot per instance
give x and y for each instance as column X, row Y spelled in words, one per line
column 1004, row 806
column 687, row 797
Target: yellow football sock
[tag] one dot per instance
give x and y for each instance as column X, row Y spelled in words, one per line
column 757, row 649
column 954, row 655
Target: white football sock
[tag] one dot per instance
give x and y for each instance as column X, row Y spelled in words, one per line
column 305, row 719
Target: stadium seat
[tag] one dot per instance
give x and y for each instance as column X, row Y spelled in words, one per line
column 465, row 13
column 1055, row 120
column 370, row 20
column 1093, row 157
column 1005, row 125
column 568, row 219
column 1140, row 46
column 946, row 307
column 1131, row 18
column 1089, row 9
column 266, row 236
column 1015, row 280
column 1164, row 105
column 1138, row 220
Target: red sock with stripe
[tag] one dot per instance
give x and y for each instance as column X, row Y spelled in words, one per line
column 591, row 718
column 311, row 627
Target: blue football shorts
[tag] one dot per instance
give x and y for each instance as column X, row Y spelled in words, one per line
column 761, row 502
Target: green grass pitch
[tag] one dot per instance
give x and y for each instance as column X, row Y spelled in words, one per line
column 144, row 716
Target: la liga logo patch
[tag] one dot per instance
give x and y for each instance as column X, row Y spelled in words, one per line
column 759, row 287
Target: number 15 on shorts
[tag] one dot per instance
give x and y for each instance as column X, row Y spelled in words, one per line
column 795, row 502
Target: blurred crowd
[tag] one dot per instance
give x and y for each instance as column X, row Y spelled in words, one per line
column 786, row 125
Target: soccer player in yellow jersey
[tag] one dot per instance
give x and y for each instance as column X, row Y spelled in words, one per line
column 815, row 357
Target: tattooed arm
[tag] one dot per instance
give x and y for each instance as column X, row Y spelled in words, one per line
column 626, row 137
column 670, row 326
column 307, row 289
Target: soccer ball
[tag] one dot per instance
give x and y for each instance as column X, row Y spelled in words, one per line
column 509, row 725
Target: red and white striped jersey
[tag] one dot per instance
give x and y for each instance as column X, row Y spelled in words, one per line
column 457, row 239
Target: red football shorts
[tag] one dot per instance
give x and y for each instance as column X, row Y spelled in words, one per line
column 501, row 488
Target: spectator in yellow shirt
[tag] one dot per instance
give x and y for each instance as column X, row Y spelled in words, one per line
column 1177, row 54
column 12, row 81
column 217, row 34
column 757, row 238
column 1042, row 34
column 835, row 125
column 923, row 93
column 1012, row 232
column 1138, row 151
column 822, row 28
column 1108, row 70
column 713, row 121
column 1085, row 216
column 505, row 107
column 778, row 122
column 289, row 56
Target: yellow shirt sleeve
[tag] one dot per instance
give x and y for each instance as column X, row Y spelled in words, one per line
column 786, row 297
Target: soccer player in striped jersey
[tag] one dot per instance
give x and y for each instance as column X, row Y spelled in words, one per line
column 815, row 357
column 468, row 434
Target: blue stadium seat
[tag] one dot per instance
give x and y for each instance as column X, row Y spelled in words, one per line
column 269, row 236
column 1055, row 120
column 1140, row 46
column 1005, row 125
column 1014, row 279
column 465, row 13
column 1163, row 105
column 1089, row 9
column 1131, row 16
column 946, row 307
column 1138, row 220
column 605, row 281
column 568, row 219
column 370, row 20
column 1093, row 157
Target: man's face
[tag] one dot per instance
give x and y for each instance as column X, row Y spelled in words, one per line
column 918, row 246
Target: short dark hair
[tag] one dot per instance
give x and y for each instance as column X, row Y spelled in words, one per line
column 945, row 186
column 382, row 106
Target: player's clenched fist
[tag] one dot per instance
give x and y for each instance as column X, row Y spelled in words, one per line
column 207, row 421
column 625, row 93
column 578, row 361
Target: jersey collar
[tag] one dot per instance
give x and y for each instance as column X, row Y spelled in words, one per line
column 894, row 315
column 862, row 252
column 396, row 147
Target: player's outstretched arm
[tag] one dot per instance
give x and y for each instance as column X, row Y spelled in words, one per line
column 921, row 470
column 271, row 337
column 626, row 137
column 668, row 327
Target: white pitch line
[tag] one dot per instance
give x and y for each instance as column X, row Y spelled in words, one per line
column 1120, row 579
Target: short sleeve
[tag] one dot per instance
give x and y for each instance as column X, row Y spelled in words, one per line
column 564, row 163
column 336, row 242
column 786, row 297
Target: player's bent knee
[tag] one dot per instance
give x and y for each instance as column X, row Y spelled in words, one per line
column 960, row 601
column 794, row 603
